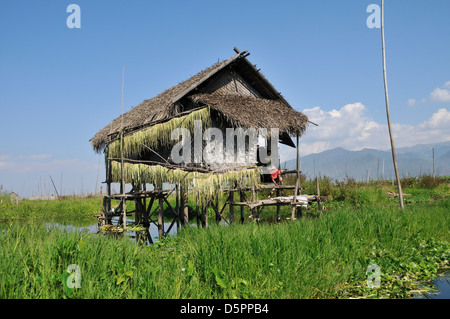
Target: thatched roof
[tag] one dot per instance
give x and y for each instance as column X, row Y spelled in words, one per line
column 248, row 111
column 272, row 110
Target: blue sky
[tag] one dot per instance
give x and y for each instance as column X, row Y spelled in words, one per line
column 59, row 86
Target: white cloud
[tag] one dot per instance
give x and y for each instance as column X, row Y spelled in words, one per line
column 439, row 120
column 441, row 94
column 40, row 157
column 347, row 127
column 350, row 128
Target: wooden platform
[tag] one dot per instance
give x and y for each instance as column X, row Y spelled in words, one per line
column 301, row 201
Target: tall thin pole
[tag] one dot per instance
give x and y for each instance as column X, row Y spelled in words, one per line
column 297, row 183
column 400, row 195
column 124, row 206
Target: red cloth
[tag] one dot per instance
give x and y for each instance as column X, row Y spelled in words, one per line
column 275, row 173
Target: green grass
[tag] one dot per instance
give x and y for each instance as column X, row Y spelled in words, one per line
column 312, row 257
column 309, row 258
column 41, row 209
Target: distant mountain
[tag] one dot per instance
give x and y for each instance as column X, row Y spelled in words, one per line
column 340, row 163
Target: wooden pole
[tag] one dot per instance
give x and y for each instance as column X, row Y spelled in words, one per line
column 124, row 206
column 218, row 218
column 54, row 186
column 197, row 209
column 242, row 199
column 253, row 200
column 278, row 207
column 297, row 183
column 144, row 203
column 108, row 179
column 160, row 215
column 319, row 206
column 231, row 207
column 184, row 205
column 178, row 199
column 204, row 213
column 122, row 181
column 394, row 158
column 101, row 220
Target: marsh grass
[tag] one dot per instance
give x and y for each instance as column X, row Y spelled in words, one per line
column 67, row 206
column 309, row 258
column 312, row 257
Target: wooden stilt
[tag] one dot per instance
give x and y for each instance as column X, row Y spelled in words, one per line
column 124, row 207
column 197, row 209
column 184, row 205
column 231, row 200
column 177, row 204
column 160, row 217
column 137, row 205
column 205, row 205
column 297, row 182
column 206, row 214
column 319, row 205
column 107, row 201
column 101, row 215
column 278, row 208
column 203, row 212
column 294, row 201
column 242, row 199
column 218, row 218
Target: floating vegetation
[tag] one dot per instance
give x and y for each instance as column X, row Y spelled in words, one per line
column 110, row 229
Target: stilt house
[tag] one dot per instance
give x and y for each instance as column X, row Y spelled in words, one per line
column 232, row 93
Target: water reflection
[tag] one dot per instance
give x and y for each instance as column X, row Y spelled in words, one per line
column 93, row 228
column 442, row 286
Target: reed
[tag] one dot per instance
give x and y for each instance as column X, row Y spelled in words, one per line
column 324, row 257
column 308, row 258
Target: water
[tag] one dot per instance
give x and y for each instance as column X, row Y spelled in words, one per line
column 93, row 228
column 442, row 285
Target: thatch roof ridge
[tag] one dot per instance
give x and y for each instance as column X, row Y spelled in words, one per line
column 240, row 111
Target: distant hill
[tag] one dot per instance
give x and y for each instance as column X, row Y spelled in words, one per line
column 340, row 163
